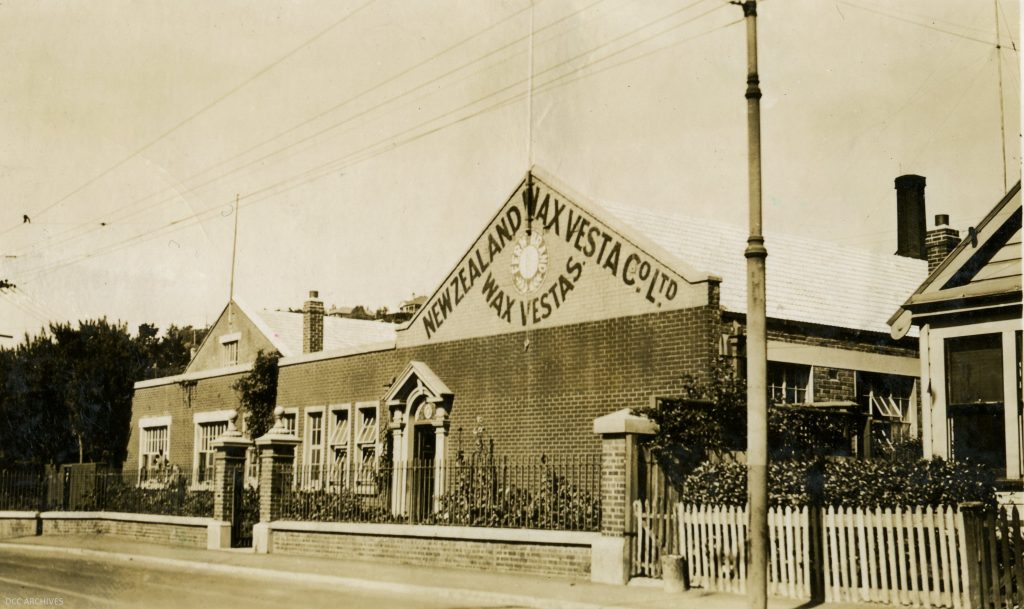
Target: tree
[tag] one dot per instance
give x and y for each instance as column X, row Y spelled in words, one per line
column 171, row 353
column 66, row 394
column 99, row 365
column 708, row 418
column 257, row 394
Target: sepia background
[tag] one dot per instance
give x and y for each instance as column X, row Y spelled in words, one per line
column 368, row 141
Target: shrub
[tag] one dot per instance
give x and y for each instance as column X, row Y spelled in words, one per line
column 333, row 505
column 173, row 497
column 846, row 482
column 480, row 497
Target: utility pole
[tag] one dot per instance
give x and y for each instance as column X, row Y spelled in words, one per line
column 1002, row 112
column 234, row 247
column 757, row 342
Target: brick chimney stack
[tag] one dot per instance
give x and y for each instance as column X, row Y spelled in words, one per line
column 910, row 217
column 940, row 241
column 313, row 324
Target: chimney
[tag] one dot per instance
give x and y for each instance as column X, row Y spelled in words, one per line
column 910, row 219
column 313, row 324
column 940, row 241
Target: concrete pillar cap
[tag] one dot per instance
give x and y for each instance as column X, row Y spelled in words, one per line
column 624, row 422
column 231, row 436
column 279, row 433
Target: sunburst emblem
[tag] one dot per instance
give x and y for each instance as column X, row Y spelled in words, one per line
column 529, row 262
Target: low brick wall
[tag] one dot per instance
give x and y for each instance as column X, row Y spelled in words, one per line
column 552, row 553
column 176, row 530
column 17, row 524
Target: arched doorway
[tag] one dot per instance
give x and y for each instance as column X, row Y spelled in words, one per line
column 419, row 404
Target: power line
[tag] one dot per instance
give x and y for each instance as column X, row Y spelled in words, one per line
column 386, row 144
column 351, row 159
column 377, row 106
column 1006, row 25
column 192, row 116
column 95, row 227
column 917, row 23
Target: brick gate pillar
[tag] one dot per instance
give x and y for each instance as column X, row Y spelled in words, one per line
column 229, row 455
column 276, row 451
column 619, row 431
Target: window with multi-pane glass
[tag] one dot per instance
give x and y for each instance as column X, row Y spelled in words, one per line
column 154, row 450
column 208, row 432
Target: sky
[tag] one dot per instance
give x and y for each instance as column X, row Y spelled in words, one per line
column 368, row 142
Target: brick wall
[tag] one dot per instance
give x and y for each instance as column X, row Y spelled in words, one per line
column 832, row 384
column 17, row 527
column 496, row 556
column 530, row 398
column 180, row 403
column 160, row 533
column 613, row 485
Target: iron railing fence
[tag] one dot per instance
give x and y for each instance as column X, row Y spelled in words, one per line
column 518, row 492
column 23, row 489
column 171, row 494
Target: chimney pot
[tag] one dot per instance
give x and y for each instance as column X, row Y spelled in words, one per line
column 910, row 217
column 940, row 241
column 313, row 324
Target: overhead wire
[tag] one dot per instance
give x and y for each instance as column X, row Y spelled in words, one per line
column 95, row 226
column 923, row 24
column 149, row 144
column 1006, row 26
column 386, row 144
column 515, row 84
column 39, row 305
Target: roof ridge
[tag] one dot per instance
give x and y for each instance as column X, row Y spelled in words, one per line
column 794, row 238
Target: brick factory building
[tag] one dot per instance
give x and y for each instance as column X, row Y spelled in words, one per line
column 559, row 313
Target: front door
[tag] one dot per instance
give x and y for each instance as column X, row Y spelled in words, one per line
column 424, row 444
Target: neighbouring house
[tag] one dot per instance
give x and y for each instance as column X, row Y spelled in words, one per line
column 175, row 418
column 560, row 312
column 968, row 312
column 412, row 305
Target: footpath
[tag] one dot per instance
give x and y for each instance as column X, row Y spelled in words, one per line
column 472, row 586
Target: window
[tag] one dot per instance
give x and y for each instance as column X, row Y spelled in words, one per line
column 231, row 353
column 339, row 444
column 289, row 421
column 314, row 447
column 366, row 442
column 153, row 457
column 885, row 395
column 787, row 383
column 974, row 399
column 229, row 348
column 207, row 433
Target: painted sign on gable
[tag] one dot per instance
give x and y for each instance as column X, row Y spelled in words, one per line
column 546, row 261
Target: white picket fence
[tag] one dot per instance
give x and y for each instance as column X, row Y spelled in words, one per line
column 713, row 539
column 916, row 557
column 903, row 556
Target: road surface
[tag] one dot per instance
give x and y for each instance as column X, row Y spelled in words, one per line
column 34, row 579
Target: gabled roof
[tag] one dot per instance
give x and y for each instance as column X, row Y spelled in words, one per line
column 984, row 269
column 339, row 332
column 809, row 281
column 283, row 330
column 426, row 378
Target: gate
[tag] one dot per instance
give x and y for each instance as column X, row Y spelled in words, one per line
column 245, row 508
column 655, row 525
